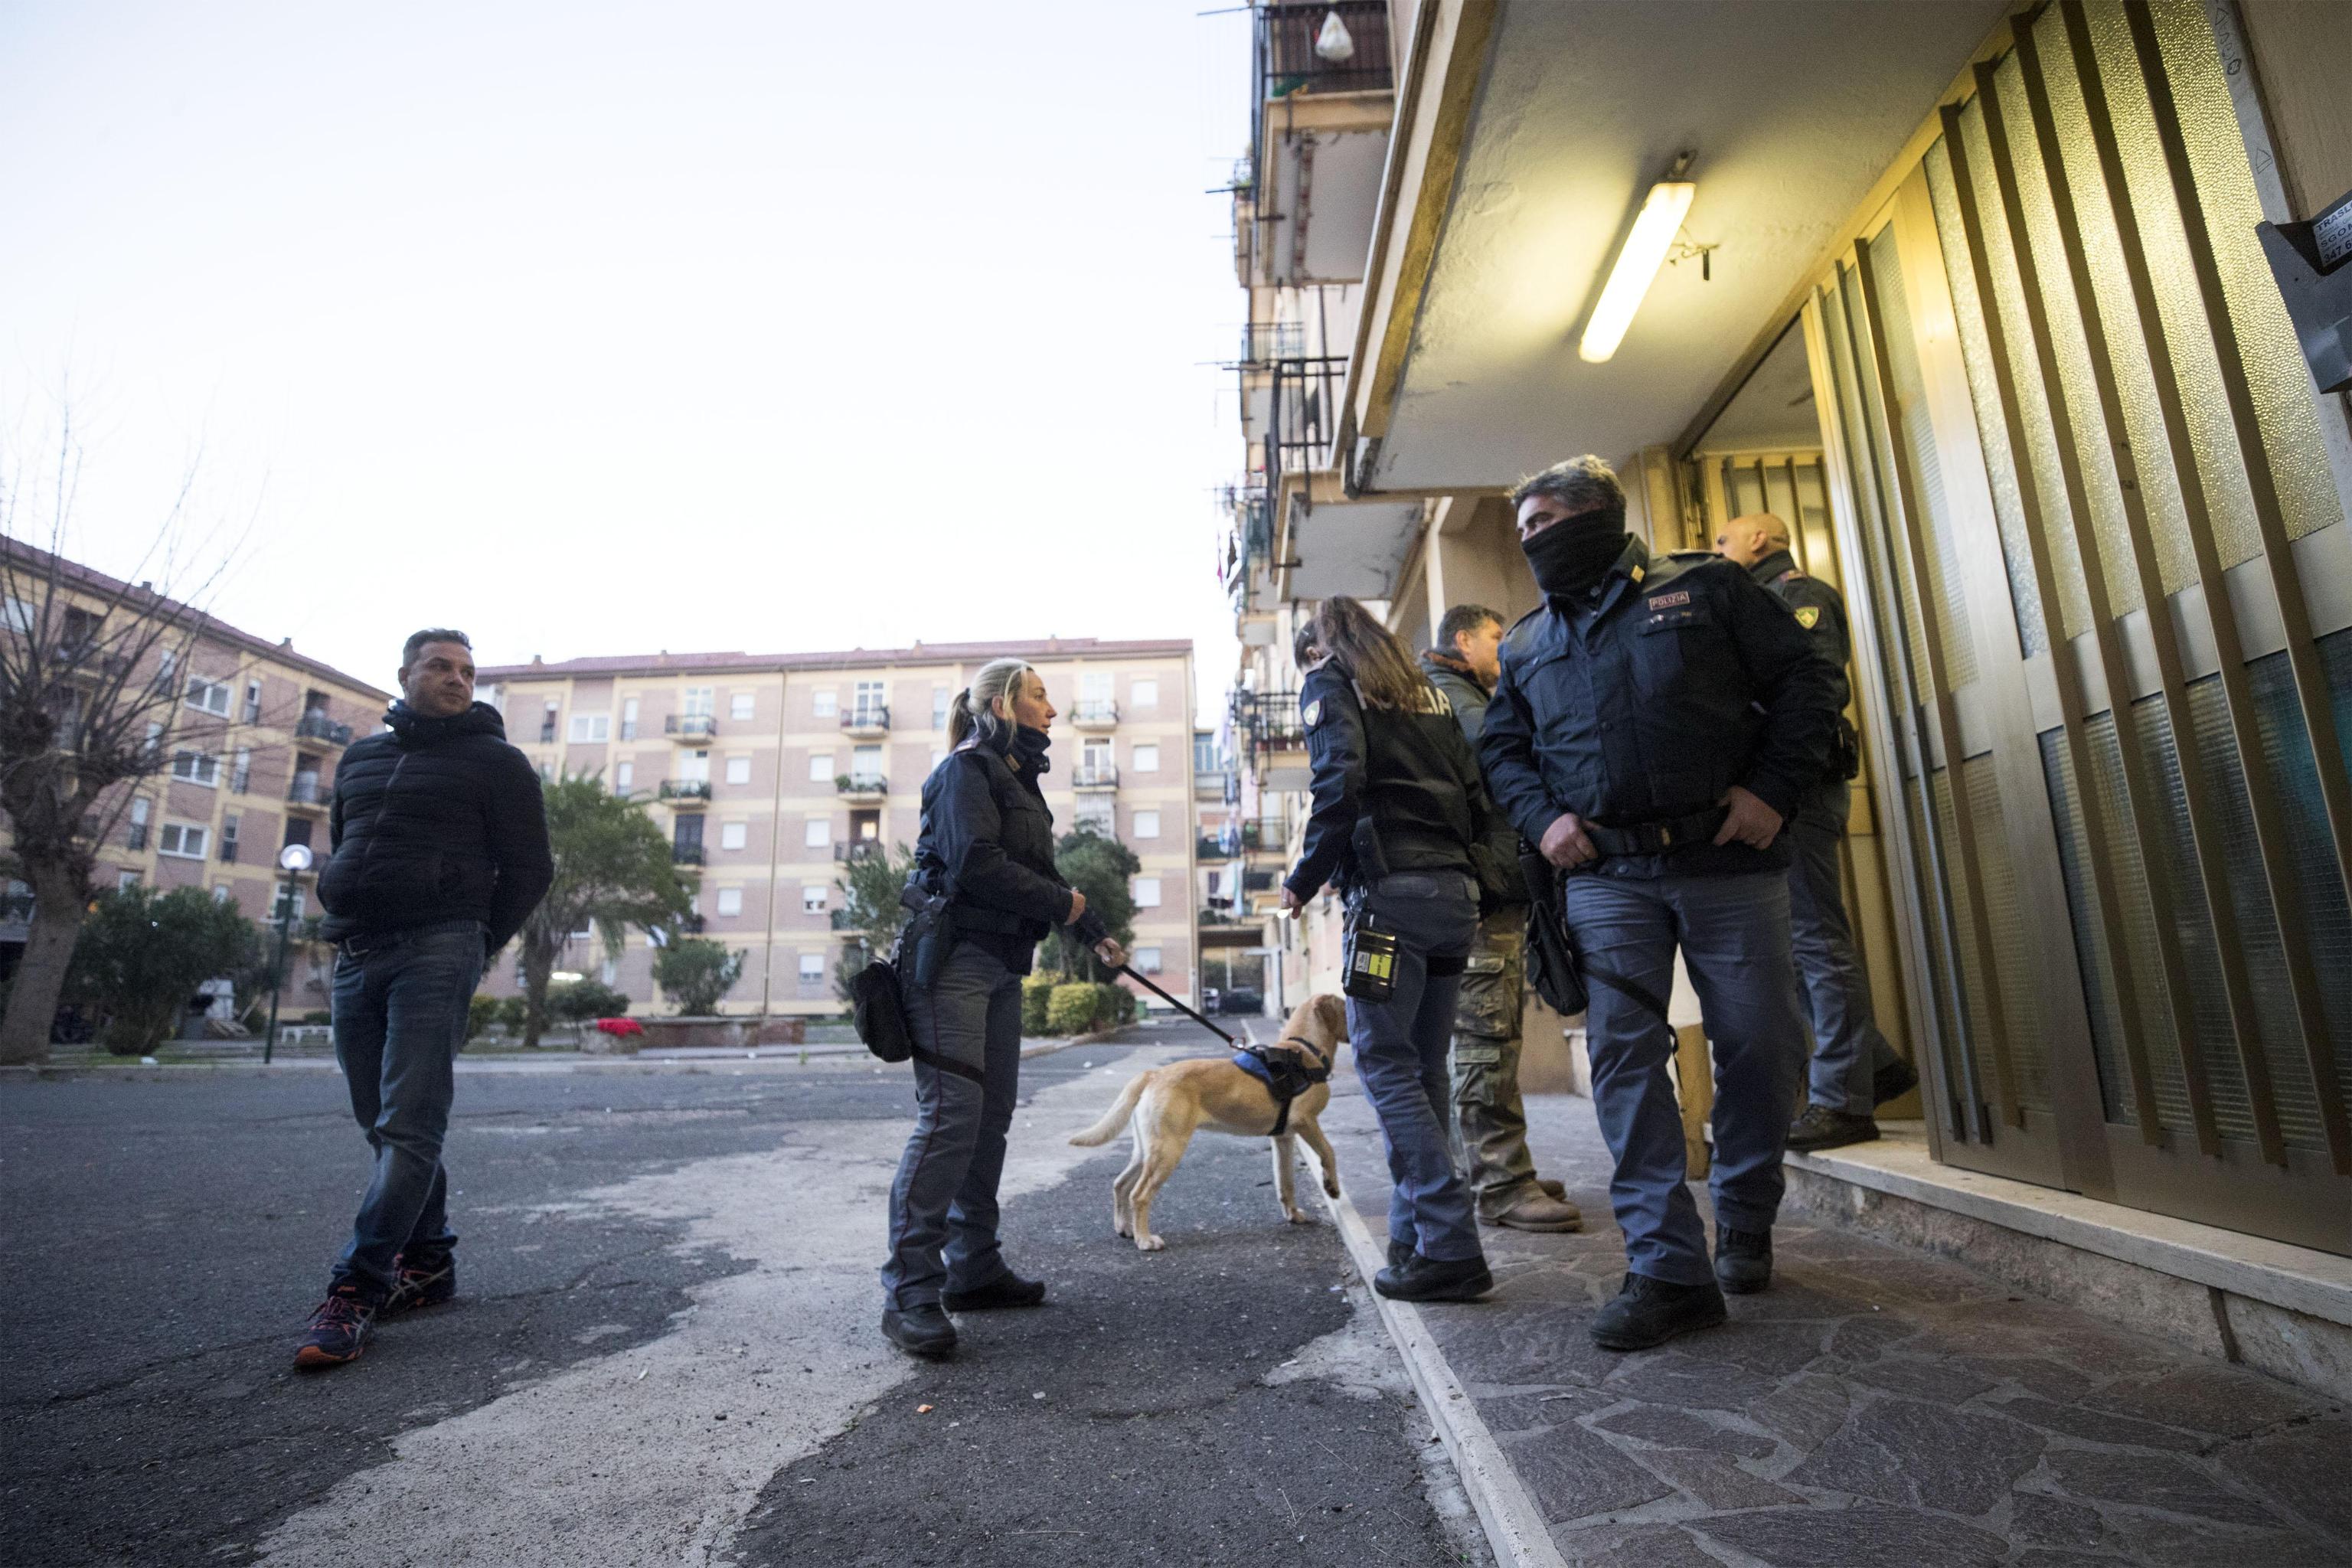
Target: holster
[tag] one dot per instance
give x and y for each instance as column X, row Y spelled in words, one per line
column 1846, row 751
column 925, row 940
column 1552, row 967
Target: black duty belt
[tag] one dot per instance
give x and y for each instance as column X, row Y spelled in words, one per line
column 1660, row 838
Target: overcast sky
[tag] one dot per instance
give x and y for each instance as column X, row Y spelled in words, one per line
column 600, row 328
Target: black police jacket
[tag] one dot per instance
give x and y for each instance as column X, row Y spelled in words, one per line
column 1679, row 678
column 1819, row 609
column 1410, row 779
column 434, row 819
column 987, row 842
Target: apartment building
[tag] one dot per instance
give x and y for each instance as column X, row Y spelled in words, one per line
column 254, row 740
column 770, row 773
column 2029, row 318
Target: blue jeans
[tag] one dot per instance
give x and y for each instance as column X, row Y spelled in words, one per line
column 1401, row 1055
column 400, row 1017
column 1733, row 935
column 1848, row 1049
column 944, row 1209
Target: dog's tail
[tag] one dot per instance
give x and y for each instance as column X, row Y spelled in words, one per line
column 1114, row 1119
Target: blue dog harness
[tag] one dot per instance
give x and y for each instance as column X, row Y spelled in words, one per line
column 1286, row 1073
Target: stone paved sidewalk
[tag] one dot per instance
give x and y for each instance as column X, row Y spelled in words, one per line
column 1876, row 1407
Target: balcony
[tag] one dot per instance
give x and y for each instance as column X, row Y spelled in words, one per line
column 1216, row 784
column 685, row 792
column 839, row 919
column 1095, row 775
column 1097, row 713
column 862, row 789
column 1210, row 848
column 317, row 726
column 308, row 792
column 1289, row 62
column 688, row 854
column 851, row 852
column 866, row 719
column 690, row 726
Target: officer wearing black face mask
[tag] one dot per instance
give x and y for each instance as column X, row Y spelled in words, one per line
column 1654, row 724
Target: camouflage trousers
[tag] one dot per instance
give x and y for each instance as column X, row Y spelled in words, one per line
column 1490, row 1131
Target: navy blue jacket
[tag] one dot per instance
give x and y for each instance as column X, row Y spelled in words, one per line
column 1679, row 678
column 1819, row 609
column 987, row 842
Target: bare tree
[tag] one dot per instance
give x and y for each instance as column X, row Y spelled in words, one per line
column 90, row 676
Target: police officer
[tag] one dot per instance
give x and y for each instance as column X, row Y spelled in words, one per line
column 1490, row 1121
column 1401, row 823
column 1656, row 721
column 1854, row 1071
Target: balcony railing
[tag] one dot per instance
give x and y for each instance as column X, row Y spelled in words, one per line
column 684, row 789
column 306, row 790
column 856, row 849
column 691, row 726
column 1289, row 61
column 1095, row 775
column 839, row 919
column 1095, row 713
column 317, row 726
column 1215, row 849
column 1270, row 720
column 856, row 786
column 688, row 854
column 871, row 717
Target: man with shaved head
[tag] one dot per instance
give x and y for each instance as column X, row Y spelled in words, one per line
column 1854, row 1071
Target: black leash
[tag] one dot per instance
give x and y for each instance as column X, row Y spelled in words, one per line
column 1179, row 1007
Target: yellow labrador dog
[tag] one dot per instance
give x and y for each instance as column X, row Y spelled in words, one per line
column 1165, row 1106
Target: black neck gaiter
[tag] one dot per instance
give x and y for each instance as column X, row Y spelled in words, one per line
column 1029, row 745
column 1570, row 558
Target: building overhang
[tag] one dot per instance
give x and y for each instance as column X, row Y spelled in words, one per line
column 1527, row 135
column 1330, row 543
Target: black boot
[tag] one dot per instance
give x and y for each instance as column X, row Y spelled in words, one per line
column 1650, row 1311
column 1743, row 1260
column 1007, row 1290
column 1420, row 1278
column 1817, row 1128
column 1398, row 1252
column 1897, row 1078
column 921, row 1330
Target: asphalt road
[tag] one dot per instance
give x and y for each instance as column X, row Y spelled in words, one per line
column 665, row 1351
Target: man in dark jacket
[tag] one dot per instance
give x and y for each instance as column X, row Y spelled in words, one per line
column 439, row 839
column 1490, row 1120
column 1655, row 723
column 1853, row 1070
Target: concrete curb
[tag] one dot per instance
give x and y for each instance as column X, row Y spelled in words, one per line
column 1514, row 1525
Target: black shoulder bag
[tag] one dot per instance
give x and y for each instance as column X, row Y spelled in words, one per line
column 877, row 1003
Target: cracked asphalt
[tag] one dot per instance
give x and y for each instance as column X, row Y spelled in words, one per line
column 1230, row 1400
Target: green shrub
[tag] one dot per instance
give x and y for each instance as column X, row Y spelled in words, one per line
column 584, row 999
column 1070, row 1009
column 1035, row 990
column 1117, row 1006
column 317, row 1015
column 514, row 1011
column 480, row 1013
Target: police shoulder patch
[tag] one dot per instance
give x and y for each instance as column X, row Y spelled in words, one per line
column 1809, row 616
column 1313, row 712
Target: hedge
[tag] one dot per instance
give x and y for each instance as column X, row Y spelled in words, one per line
column 1035, row 989
column 1081, row 1006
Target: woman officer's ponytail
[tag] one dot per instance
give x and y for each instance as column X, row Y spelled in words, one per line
column 973, row 711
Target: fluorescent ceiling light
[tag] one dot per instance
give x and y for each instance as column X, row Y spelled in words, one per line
column 1637, row 265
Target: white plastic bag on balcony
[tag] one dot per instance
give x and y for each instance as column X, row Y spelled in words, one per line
column 1333, row 42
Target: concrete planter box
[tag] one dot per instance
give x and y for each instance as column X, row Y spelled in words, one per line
column 665, row 1034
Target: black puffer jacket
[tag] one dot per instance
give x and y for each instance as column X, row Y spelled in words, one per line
column 436, row 819
column 988, row 843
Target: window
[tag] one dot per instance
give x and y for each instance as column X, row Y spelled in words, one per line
column 940, row 698
column 1147, row 892
column 1146, row 759
column 125, row 881
column 591, row 729
column 1204, row 755
column 1094, row 686
column 624, row 778
column 224, row 891
column 820, row 767
column 865, row 764
column 240, row 776
column 629, row 718
column 167, row 667
column 812, row 968
column 739, row 705
column 1146, row 960
column 732, row 834
column 825, row 704
column 694, row 767
column 1095, row 815
column 698, row 702
column 873, row 702
column 253, row 702
column 738, row 770
column 228, row 838
column 547, row 721
column 819, row 834
column 731, row 901
column 297, row 831
column 1147, row 825
column 184, row 840
column 285, row 906
column 208, row 696
column 137, row 838
column 22, row 616
column 1095, row 754
column 196, row 767
column 1146, row 694
column 812, row 899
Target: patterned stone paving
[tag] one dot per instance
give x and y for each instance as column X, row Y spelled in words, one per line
column 1876, row 1407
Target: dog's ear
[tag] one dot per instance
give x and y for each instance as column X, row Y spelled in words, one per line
column 1334, row 1014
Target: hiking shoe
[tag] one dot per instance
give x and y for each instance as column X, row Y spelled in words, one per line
column 1650, row 1311
column 1419, row 1278
column 1743, row 1260
column 1537, row 1210
column 339, row 1330
column 1551, row 1188
column 1819, row 1127
column 424, row 1282
column 1007, row 1290
column 1893, row 1081
column 921, row 1330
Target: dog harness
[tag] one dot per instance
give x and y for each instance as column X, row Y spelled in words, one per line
column 1286, row 1073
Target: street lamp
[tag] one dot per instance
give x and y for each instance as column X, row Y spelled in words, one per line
column 294, row 859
